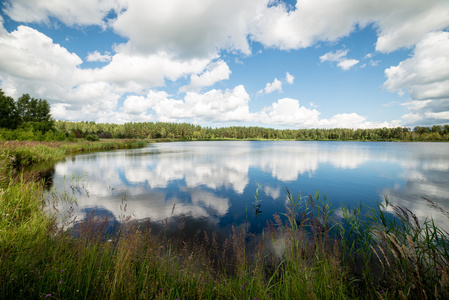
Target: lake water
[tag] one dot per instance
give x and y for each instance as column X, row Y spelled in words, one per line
column 212, row 185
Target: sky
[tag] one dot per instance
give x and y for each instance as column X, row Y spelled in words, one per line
column 270, row 63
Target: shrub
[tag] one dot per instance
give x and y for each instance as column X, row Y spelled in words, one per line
column 92, row 138
column 71, row 137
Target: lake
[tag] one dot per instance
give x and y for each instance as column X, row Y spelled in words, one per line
column 212, row 185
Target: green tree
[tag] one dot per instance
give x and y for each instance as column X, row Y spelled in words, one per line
column 9, row 117
column 34, row 112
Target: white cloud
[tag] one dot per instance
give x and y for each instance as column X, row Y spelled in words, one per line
column 412, row 117
column 32, row 63
column 276, row 85
column 400, row 23
column 351, row 120
column 215, row 72
column 218, row 106
column 334, row 56
column 287, row 111
column 374, row 63
column 409, row 21
column 80, row 12
column 183, row 38
column 201, row 28
column 439, row 115
column 134, row 72
column 340, row 57
column 97, row 56
column 212, row 106
column 289, row 78
column 425, row 75
column 346, row 64
column 135, row 105
column 87, row 101
column 188, row 28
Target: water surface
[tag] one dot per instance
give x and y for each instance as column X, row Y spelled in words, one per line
column 213, row 184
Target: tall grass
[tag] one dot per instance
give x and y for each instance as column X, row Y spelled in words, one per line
column 25, row 154
column 304, row 253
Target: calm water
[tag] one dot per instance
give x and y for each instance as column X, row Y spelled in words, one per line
column 212, row 184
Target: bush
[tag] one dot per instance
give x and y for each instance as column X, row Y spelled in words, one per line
column 71, row 137
column 92, row 138
column 104, row 135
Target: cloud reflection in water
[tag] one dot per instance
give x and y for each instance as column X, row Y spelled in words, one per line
column 217, row 180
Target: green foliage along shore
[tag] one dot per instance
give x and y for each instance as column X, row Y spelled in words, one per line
column 65, row 130
column 185, row 131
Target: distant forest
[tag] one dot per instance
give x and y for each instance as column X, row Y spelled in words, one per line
column 187, row 131
column 65, row 130
column 30, row 119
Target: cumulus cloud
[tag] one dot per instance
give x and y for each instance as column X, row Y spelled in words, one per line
column 197, row 28
column 135, row 105
column 221, row 106
column 188, row 28
column 400, row 23
column 97, row 56
column 290, row 79
column 334, row 56
column 133, row 72
column 212, row 106
column 32, row 63
column 215, row 72
column 271, row 87
column 180, row 39
column 425, row 77
column 276, row 85
column 290, row 112
column 339, row 57
column 409, row 22
column 81, row 12
column 346, row 64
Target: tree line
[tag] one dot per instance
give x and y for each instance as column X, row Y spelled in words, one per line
column 186, row 131
column 30, row 119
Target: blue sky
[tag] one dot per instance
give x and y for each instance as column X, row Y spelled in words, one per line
column 280, row 64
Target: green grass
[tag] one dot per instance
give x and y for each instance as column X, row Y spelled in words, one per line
column 302, row 254
column 25, row 154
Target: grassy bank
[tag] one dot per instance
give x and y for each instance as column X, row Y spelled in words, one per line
column 303, row 254
column 27, row 153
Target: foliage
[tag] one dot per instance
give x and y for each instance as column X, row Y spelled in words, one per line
column 29, row 134
column 33, row 110
column 92, row 138
column 185, row 131
column 9, row 117
column 27, row 113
